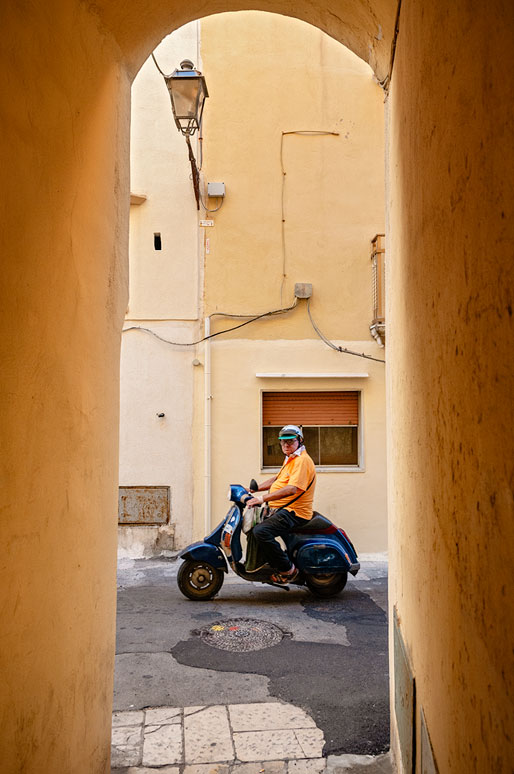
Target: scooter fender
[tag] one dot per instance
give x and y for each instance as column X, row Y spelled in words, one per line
column 205, row 552
column 325, row 556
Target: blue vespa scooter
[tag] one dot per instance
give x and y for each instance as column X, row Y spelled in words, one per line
column 322, row 552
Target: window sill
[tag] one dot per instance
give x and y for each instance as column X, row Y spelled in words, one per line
column 137, row 199
column 326, row 469
column 360, row 375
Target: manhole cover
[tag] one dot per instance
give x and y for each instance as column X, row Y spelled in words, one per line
column 242, row 635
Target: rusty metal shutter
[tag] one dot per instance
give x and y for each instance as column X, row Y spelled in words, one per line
column 310, row 408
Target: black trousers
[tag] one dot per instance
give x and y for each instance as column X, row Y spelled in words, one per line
column 277, row 525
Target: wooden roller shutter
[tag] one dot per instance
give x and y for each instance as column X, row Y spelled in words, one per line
column 310, row 408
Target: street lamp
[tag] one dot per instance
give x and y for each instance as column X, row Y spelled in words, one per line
column 188, row 91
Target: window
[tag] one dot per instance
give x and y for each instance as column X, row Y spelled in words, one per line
column 330, row 422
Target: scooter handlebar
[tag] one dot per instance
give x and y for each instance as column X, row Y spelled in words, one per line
column 238, row 493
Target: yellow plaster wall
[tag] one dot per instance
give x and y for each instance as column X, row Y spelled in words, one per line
column 65, row 120
column 64, row 130
column 450, row 378
column 354, row 500
column 268, row 75
column 64, row 161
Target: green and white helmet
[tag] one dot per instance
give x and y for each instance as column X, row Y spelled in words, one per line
column 289, row 432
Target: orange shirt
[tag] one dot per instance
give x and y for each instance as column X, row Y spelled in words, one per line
column 299, row 471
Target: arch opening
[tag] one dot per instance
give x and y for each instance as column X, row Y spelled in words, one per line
column 294, row 128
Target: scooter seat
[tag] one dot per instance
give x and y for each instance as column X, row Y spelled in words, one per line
column 318, row 523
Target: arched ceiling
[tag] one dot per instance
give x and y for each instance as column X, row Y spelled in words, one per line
column 366, row 27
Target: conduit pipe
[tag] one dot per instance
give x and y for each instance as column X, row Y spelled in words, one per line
column 207, row 428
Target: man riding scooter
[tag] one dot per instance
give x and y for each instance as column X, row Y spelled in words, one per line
column 290, row 494
column 322, row 552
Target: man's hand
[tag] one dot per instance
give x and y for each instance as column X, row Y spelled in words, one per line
column 254, row 501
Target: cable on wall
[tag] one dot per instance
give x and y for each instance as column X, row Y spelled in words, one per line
column 386, row 83
column 304, row 133
column 157, row 66
column 218, row 333
column 335, row 346
column 216, row 208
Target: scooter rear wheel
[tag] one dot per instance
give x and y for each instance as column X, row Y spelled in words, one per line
column 199, row 580
column 327, row 585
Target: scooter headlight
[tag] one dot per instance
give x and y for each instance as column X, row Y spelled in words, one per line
column 229, row 493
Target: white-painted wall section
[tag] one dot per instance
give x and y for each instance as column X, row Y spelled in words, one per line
column 163, row 283
column 157, row 451
column 157, row 378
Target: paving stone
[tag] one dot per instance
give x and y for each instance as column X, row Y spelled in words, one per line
column 207, row 768
column 126, row 736
column 126, row 746
column 129, row 718
column 207, row 735
column 193, row 710
column 125, row 755
column 307, row 766
column 162, row 745
column 267, row 715
column 146, row 770
column 267, row 745
column 359, row 764
column 260, row 767
column 311, row 741
column 157, row 716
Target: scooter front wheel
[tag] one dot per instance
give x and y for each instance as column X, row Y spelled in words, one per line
column 327, row 585
column 199, row 580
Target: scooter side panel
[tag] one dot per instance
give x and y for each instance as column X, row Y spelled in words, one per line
column 215, row 536
column 231, row 535
column 343, row 537
column 324, row 556
column 205, row 552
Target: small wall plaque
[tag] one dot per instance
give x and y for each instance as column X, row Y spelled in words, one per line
column 143, row 505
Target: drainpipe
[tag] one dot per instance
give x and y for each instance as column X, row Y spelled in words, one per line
column 207, row 428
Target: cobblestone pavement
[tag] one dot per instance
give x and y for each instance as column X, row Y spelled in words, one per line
column 262, row 738
column 218, row 734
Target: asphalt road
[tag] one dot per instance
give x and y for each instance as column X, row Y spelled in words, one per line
column 331, row 657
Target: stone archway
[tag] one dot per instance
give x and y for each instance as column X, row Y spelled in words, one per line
column 366, row 29
column 65, row 82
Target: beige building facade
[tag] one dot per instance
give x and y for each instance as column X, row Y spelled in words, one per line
column 294, row 128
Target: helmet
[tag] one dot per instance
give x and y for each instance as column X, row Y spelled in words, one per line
column 290, row 431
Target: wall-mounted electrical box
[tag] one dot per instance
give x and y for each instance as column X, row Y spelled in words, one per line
column 216, row 189
column 303, row 290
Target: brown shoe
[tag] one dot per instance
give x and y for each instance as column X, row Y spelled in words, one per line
column 285, row 577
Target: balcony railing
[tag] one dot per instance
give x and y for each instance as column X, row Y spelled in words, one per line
column 377, row 326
